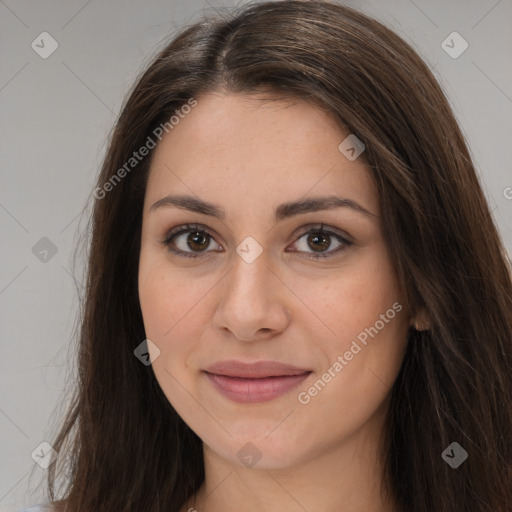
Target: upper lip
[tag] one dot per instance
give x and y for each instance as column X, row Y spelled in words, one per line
column 255, row 370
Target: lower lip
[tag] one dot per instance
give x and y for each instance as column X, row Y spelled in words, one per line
column 255, row 390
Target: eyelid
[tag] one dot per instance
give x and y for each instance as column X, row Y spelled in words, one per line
column 324, row 229
column 185, row 228
column 344, row 237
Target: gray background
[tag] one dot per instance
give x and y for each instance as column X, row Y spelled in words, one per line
column 55, row 116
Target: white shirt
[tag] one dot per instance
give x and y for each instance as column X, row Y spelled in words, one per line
column 41, row 507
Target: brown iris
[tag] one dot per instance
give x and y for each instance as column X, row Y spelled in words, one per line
column 198, row 240
column 315, row 237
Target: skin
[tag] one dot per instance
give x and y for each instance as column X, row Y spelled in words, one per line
column 248, row 156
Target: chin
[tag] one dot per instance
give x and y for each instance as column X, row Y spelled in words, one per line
column 255, row 448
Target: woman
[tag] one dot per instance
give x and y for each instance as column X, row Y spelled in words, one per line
column 297, row 298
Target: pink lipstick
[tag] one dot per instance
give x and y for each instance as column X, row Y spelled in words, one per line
column 254, row 382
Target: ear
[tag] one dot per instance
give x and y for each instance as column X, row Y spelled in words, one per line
column 421, row 321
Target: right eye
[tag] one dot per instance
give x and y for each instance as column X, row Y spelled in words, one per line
column 197, row 241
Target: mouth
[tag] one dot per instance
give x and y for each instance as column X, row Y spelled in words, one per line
column 254, row 382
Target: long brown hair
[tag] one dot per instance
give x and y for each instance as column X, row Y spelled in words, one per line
column 123, row 447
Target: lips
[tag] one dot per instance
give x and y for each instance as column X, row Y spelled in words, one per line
column 254, row 382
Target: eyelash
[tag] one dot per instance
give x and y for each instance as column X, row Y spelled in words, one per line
column 201, row 229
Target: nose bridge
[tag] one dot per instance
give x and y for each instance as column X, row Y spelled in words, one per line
column 250, row 276
column 249, row 301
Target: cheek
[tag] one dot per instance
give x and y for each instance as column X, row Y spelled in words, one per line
column 158, row 305
column 165, row 295
column 174, row 311
column 166, row 301
column 367, row 328
column 354, row 299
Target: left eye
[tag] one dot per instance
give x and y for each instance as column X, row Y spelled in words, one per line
column 320, row 239
column 199, row 241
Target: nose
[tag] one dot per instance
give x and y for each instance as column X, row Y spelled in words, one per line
column 252, row 303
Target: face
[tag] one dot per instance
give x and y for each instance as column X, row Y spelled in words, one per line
column 309, row 294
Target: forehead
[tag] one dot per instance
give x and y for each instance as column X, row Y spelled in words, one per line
column 253, row 152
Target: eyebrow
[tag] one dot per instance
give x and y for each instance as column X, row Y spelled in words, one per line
column 283, row 211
